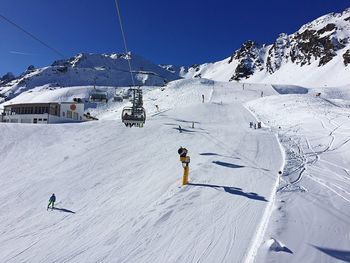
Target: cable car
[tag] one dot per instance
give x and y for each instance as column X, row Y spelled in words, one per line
column 118, row 96
column 98, row 96
column 136, row 114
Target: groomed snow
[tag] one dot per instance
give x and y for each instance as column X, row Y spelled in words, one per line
column 312, row 215
column 119, row 193
column 119, row 190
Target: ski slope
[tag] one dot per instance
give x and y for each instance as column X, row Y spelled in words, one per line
column 119, row 193
column 312, row 216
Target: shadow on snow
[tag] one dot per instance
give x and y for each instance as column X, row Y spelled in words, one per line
column 234, row 191
column 228, row 165
column 183, row 130
column 338, row 254
column 63, row 210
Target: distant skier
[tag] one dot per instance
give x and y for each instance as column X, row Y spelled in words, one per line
column 52, row 201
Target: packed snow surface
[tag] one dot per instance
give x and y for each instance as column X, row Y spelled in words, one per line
column 312, row 216
column 119, row 193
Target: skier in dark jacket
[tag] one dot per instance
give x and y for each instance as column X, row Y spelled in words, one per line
column 52, row 201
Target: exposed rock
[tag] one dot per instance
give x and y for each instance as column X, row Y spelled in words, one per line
column 31, row 68
column 277, row 53
column 250, row 59
column 311, row 45
column 328, row 27
column 346, row 57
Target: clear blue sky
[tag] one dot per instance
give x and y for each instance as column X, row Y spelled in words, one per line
column 181, row 32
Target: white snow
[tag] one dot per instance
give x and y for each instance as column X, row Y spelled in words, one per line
column 312, row 214
column 119, row 190
column 124, row 185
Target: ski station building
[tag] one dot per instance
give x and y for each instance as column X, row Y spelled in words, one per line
column 43, row 112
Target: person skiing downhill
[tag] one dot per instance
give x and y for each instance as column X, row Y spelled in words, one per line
column 52, row 201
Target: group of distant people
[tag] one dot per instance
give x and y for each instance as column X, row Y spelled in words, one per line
column 255, row 125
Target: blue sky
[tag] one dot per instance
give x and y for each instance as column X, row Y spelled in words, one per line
column 170, row 32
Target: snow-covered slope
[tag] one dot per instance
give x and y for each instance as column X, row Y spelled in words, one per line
column 318, row 54
column 118, row 189
column 88, row 69
column 119, row 194
column 312, row 214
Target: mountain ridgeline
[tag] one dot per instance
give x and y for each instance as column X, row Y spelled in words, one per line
column 318, row 54
column 319, row 45
column 87, row 69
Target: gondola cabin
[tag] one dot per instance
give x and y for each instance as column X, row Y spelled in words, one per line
column 132, row 116
column 98, row 96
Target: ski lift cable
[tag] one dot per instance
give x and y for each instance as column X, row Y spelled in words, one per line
column 32, row 36
column 124, row 40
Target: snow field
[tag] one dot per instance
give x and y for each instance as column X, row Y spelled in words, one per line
column 123, row 184
column 311, row 216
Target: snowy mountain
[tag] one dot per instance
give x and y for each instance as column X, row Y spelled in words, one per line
column 317, row 54
column 87, row 69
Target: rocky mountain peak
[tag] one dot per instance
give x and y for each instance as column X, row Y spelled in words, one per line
column 249, row 57
column 316, row 42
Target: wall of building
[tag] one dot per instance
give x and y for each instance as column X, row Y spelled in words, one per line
column 69, row 112
column 72, row 111
column 27, row 118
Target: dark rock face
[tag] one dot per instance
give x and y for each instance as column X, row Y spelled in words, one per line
column 250, row 59
column 346, row 57
column 317, row 45
column 31, row 68
column 277, row 53
column 316, row 42
column 196, row 67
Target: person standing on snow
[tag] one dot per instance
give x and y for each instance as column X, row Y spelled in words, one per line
column 52, row 201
